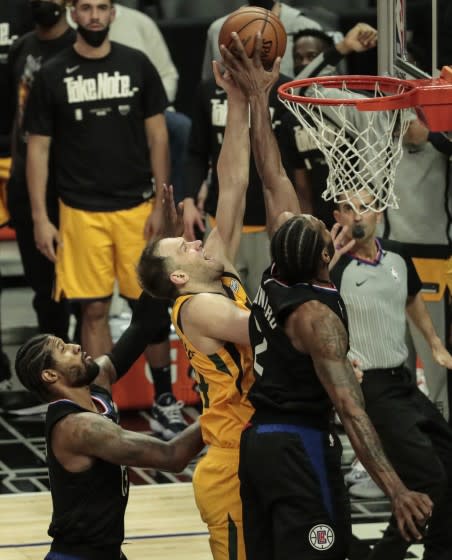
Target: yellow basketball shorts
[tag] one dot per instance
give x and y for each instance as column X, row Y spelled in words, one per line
column 217, row 493
column 98, row 248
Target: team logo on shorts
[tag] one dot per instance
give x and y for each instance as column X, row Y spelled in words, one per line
column 321, row 537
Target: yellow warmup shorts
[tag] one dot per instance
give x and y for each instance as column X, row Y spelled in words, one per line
column 217, row 493
column 5, row 166
column 97, row 249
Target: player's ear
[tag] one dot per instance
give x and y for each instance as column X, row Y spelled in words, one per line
column 179, row 278
column 49, row 376
column 336, row 215
column 326, row 255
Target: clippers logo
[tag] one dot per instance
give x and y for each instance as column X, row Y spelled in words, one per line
column 321, row 537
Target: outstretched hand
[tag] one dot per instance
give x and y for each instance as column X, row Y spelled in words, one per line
column 225, row 81
column 249, row 73
column 173, row 215
column 166, row 220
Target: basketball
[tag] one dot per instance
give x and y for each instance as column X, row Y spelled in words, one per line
column 246, row 22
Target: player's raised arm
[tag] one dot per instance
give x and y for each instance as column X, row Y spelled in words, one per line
column 232, row 167
column 256, row 83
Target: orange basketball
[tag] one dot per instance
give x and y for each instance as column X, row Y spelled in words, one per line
column 247, row 22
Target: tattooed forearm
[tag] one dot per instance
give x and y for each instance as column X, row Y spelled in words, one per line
column 369, row 441
column 368, row 448
column 331, row 335
column 335, row 375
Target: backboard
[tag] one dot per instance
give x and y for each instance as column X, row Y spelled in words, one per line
column 408, row 45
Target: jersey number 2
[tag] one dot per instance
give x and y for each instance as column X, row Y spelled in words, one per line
column 259, row 349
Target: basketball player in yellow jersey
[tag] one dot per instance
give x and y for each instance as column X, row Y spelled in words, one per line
column 210, row 314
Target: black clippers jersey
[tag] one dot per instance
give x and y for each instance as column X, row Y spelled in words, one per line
column 286, row 387
column 88, row 506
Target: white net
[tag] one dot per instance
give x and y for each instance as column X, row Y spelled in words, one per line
column 362, row 148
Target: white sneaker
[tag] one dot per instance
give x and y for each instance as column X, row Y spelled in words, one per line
column 357, row 473
column 367, row 489
column 166, row 416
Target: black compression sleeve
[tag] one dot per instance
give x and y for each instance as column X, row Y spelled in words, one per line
column 150, row 324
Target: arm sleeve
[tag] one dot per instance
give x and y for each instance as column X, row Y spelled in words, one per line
column 150, row 324
column 198, row 152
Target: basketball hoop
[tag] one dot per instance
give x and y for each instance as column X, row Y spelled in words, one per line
column 361, row 134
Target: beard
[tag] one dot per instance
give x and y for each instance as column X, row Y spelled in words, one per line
column 85, row 374
column 358, row 231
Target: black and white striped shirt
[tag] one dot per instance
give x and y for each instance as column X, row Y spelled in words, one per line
column 375, row 294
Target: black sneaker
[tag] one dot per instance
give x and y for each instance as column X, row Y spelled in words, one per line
column 166, row 416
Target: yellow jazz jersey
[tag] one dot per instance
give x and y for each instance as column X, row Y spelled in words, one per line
column 224, row 378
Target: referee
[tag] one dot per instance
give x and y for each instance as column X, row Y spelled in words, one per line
column 380, row 286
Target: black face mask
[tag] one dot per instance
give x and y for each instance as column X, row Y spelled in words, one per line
column 94, row 38
column 45, row 14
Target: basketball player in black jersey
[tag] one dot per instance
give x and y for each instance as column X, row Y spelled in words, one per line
column 294, row 502
column 87, row 452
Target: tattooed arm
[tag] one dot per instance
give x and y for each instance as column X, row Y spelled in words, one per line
column 315, row 329
column 78, row 439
